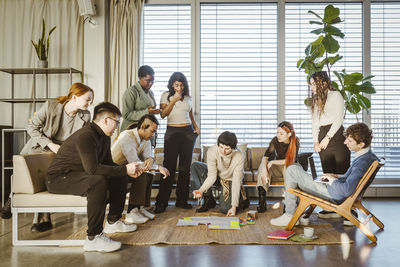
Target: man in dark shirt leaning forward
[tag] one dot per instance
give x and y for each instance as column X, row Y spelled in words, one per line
column 83, row 166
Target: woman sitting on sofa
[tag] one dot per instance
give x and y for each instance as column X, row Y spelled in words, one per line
column 51, row 125
column 225, row 166
column 281, row 152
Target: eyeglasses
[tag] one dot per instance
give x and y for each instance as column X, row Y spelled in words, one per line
column 116, row 121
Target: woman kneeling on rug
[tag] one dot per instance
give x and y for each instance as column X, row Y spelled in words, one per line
column 224, row 168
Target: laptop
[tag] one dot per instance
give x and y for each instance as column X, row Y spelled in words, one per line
column 314, row 174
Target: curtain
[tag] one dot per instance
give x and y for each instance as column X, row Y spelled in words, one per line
column 125, row 23
column 21, row 22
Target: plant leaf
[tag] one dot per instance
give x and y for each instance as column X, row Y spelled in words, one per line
column 330, row 14
column 330, row 44
column 333, row 31
column 368, row 77
column 363, row 101
column 307, row 51
column 312, row 12
column 355, row 108
column 51, row 31
column 300, row 63
column 316, row 22
column 318, row 31
column 333, row 60
column 367, row 88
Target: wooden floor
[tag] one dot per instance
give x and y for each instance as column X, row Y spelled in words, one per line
column 361, row 253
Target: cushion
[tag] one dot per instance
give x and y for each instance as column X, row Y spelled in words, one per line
column 29, row 172
column 255, row 155
column 46, row 199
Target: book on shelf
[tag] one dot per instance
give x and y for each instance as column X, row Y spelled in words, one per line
column 281, row 234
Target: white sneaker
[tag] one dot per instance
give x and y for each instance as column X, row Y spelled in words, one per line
column 101, row 243
column 119, row 227
column 282, row 220
column 134, row 216
column 146, row 213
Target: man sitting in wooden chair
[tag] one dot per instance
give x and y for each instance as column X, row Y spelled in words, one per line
column 333, row 188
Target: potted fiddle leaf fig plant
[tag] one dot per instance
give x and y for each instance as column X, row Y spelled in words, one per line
column 323, row 53
column 42, row 46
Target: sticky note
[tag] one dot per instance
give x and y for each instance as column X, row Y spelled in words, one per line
column 234, row 224
column 187, row 219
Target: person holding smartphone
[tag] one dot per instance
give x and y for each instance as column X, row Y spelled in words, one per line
column 179, row 140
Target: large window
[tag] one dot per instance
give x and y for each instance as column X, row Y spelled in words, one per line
column 233, row 58
column 166, row 47
column 297, row 37
column 385, row 65
column 238, row 71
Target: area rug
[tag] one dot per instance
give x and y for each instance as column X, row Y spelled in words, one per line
column 163, row 230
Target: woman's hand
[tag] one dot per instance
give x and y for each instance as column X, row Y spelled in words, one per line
column 197, row 194
column 163, row 171
column 324, row 143
column 196, row 130
column 264, row 177
column 231, row 211
column 317, row 148
column 53, row 147
column 177, row 96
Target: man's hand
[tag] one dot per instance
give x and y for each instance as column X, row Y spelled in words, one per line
column 148, row 163
column 153, row 110
column 163, row 171
column 317, row 147
column 231, row 211
column 197, row 194
column 132, row 170
column 53, row 147
column 330, row 177
column 324, row 143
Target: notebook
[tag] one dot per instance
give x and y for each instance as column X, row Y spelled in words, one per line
column 281, row 234
column 314, row 174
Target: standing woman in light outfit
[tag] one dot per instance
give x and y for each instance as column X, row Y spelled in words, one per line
column 179, row 140
column 327, row 118
column 51, row 125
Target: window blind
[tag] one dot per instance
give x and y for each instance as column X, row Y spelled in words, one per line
column 238, row 71
column 166, row 47
column 385, row 65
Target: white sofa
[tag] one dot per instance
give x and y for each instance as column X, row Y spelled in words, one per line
column 29, row 195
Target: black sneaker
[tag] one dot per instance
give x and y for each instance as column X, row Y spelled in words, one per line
column 160, row 208
column 326, row 214
column 347, row 222
column 183, row 205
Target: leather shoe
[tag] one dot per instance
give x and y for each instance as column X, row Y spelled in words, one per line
column 41, row 227
column 183, row 205
column 6, row 211
column 160, row 208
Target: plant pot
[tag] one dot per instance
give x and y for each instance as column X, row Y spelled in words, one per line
column 42, row 64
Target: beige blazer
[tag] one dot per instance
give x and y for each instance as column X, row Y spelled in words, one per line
column 45, row 124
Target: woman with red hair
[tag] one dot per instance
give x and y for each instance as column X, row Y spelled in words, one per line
column 51, row 125
column 282, row 152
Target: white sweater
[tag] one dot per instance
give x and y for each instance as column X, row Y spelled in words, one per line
column 332, row 114
column 228, row 168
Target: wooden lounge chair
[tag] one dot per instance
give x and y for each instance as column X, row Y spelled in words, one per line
column 343, row 209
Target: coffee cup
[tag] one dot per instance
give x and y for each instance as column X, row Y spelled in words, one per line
column 308, row 232
column 304, row 220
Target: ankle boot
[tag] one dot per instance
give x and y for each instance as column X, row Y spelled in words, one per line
column 262, row 199
column 209, row 203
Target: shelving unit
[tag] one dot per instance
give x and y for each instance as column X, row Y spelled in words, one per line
column 34, row 100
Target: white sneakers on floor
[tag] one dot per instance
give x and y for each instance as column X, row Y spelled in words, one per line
column 135, row 216
column 146, row 213
column 101, row 243
column 119, row 227
column 283, row 220
column 139, row 216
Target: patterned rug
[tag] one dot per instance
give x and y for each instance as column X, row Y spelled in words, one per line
column 163, row 230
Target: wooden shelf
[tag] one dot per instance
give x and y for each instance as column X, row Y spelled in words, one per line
column 39, row 70
column 24, row 100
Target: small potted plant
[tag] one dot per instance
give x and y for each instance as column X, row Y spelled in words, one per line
column 42, row 47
